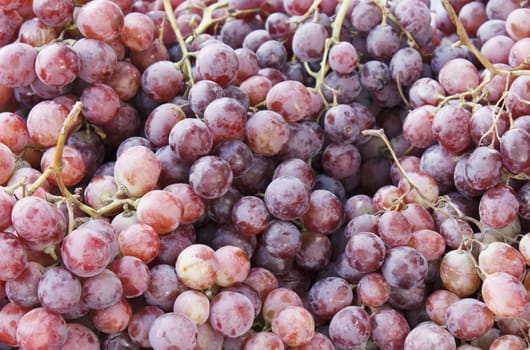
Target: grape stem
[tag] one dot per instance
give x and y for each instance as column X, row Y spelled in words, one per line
column 388, row 15
column 180, row 39
column 465, row 41
column 56, row 165
column 380, row 133
column 335, row 36
column 207, row 18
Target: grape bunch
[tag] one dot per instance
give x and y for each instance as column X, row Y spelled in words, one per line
column 264, row 174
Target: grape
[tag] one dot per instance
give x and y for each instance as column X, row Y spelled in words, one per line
column 450, row 126
column 341, row 124
column 458, row 273
column 54, row 13
column 125, row 80
column 114, row 318
column 161, row 81
column 138, row 31
column 294, row 325
column 504, row 295
column 97, row 60
column 133, row 274
column 226, row 118
column 248, row 63
column 101, row 21
column 172, row 329
column 406, row 66
column 72, row 168
column 264, row 340
column 388, row 329
column 343, row 57
column 318, row 342
column 350, row 327
column 80, row 337
column 102, row 290
column 437, row 303
column 154, row 53
column 57, row 64
column 202, row 181
column 394, row 229
column 41, row 329
column 315, row 251
column 291, row 99
column 328, row 296
column 518, row 53
column 365, row 252
column 14, row 132
column 483, row 168
column 512, row 140
column 467, row 76
column 382, row 43
column 164, row 286
column 23, row 289
column 492, row 201
column 308, row 41
column 404, row 267
column 100, row 103
column 231, row 314
column 324, row 214
column 44, row 123
column 218, row 62
column 498, row 49
column 85, row 252
column 270, row 54
column 345, row 88
column 139, row 240
column 517, row 24
column 233, row 266
column 508, row 341
column 418, row 126
column 429, row 243
column 517, row 97
column 197, row 266
column 161, row 220
column 38, row 221
column 373, row 290
column 193, row 304
column 429, row 335
column 341, row 160
column 365, row 15
column 59, row 290
column 10, row 315
column 277, row 300
column 128, row 174
column 462, row 326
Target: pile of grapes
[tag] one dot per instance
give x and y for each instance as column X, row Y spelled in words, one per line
column 264, row 174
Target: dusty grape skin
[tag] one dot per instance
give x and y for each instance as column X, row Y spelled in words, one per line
column 141, row 241
column 389, row 329
column 458, row 273
column 75, row 248
column 504, row 295
column 25, row 56
column 324, row 214
column 404, row 267
column 130, row 170
column 223, row 69
column 365, row 252
column 172, row 329
column 460, row 325
column 327, row 296
column 10, row 314
column 23, row 289
column 59, row 290
column 264, row 340
column 294, row 325
column 41, row 329
column 349, row 327
column 429, row 335
column 231, row 314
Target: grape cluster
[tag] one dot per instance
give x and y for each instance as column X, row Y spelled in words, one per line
column 264, row 174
